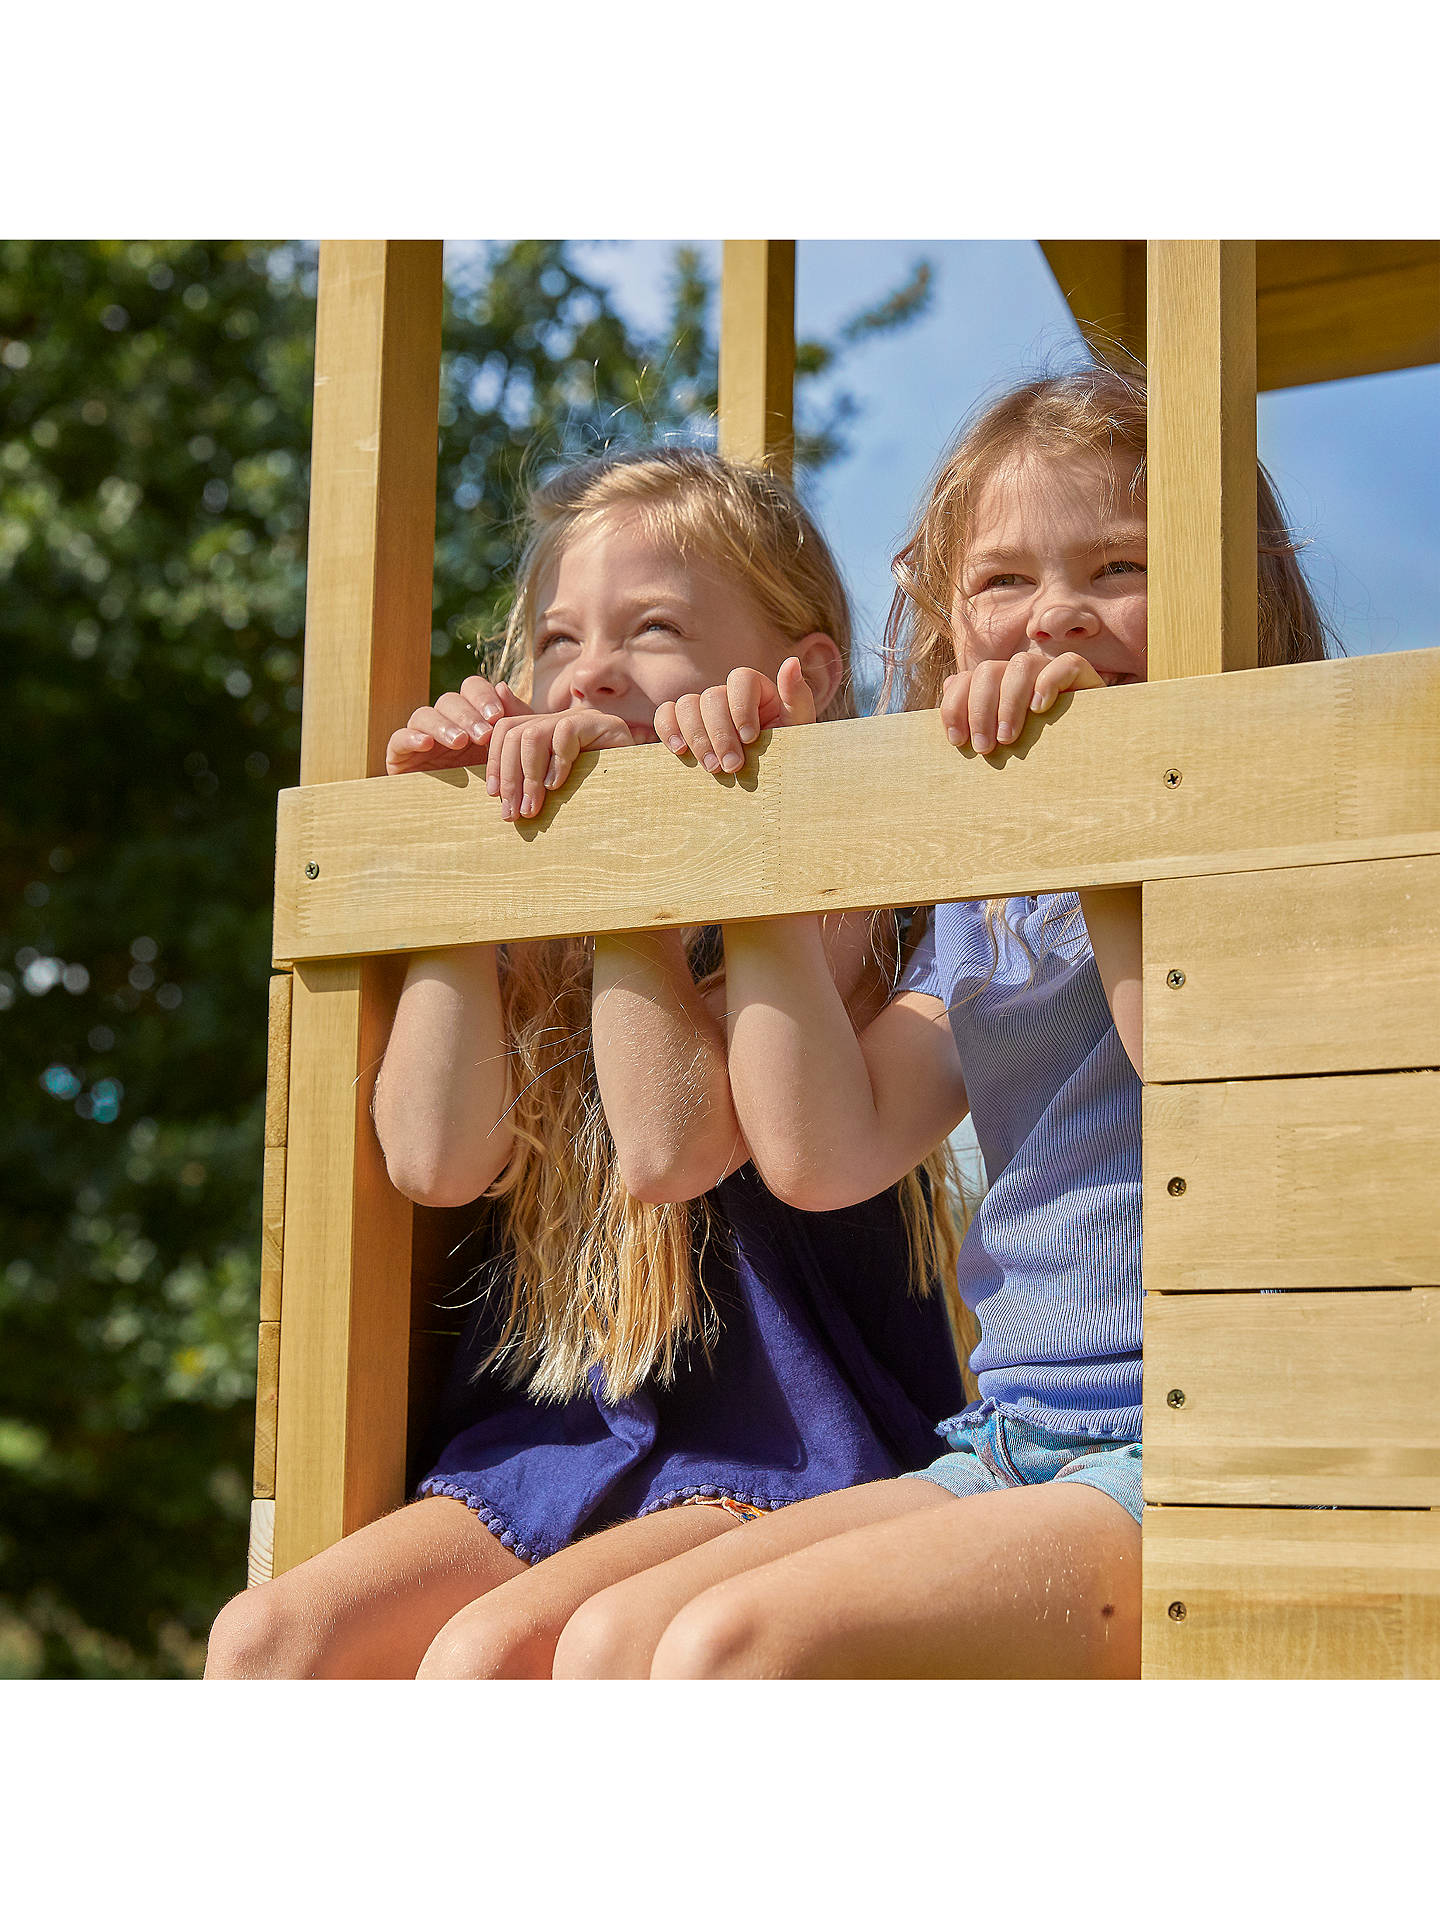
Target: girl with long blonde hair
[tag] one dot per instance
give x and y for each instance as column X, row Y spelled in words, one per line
column 655, row 1338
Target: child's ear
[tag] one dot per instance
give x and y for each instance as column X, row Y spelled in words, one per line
column 822, row 667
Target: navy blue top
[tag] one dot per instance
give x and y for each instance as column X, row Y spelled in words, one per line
column 1051, row 1263
column 827, row 1372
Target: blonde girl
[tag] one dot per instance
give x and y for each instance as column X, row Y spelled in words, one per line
column 1017, row 1552
column 654, row 1339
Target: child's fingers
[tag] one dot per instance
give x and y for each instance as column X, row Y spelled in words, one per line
column 512, row 771
column 985, row 703
column 955, row 708
column 795, row 695
column 1060, row 675
column 667, row 727
column 492, row 701
column 466, row 719
column 1013, row 699
column 726, row 747
column 690, row 721
column 407, row 749
column 747, row 690
column 536, row 746
column 504, row 730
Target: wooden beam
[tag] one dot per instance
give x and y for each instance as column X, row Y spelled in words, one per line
column 277, row 1109
column 1313, row 1183
column 1323, row 969
column 818, row 820
column 1293, row 1399
column 1232, row 1594
column 346, row 1277
column 1201, row 463
column 372, row 501
column 260, row 1565
column 757, row 354
column 267, row 1391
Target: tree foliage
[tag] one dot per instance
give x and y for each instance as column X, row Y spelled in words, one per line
column 154, row 434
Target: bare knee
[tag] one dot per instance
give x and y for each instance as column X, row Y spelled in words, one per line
column 490, row 1643
column 262, row 1635
column 723, row 1635
column 611, row 1636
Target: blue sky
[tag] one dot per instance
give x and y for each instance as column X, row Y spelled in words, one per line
column 1357, row 461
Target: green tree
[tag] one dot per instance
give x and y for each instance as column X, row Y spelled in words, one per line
column 154, row 432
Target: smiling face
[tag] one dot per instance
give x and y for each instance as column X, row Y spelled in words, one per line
column 625, row 622
column 1055, row 563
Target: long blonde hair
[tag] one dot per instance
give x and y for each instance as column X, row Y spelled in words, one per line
column 599, row 1279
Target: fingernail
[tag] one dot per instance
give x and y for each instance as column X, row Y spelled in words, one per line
column 507, row 810
column 552, row 775
column 747, row 734
column 712, row 765
column 675, row 743
column 452, row 736
column 1005, row 733
column 492, row 786
column 528, row 805
column 955, row 736
column 479, row 732
column 981, row 742
column 732, row 762
column 493, row 712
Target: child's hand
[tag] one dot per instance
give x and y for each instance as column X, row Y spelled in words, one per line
column 536, row 751
column 455, row 732
column 987, row 705
column 718, row 724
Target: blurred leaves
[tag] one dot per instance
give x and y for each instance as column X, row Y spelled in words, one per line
column 154, row 435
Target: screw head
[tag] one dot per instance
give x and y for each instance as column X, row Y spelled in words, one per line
column 1175, row 1186
column 1173, row 776
column 1175, row 1397
column 312, row 871
column 1175, row 978
column 1176, row 1609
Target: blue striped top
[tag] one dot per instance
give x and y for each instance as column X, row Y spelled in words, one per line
column 1051, row 1263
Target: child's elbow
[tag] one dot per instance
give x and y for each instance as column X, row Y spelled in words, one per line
column 658, row 1178
column 811, row 1187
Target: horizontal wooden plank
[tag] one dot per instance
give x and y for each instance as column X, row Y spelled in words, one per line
column 267, row 1400
column 1293, row 1399
column 1332, row 969
column 1290, row 1595
column 881, row 812
column 1325, row 1182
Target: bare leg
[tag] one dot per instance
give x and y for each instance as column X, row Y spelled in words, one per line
column 1039, row 1582
column 614, row 1635
column 510, row 1633
column 893, row 1578
column 366, row 1608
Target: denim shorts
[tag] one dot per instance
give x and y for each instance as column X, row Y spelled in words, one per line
column 990, row 1451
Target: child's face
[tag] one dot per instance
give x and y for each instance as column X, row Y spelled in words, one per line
column 1055, row 563
column 625, row 622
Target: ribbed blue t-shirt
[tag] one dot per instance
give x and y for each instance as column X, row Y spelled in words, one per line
column 1051, row 1263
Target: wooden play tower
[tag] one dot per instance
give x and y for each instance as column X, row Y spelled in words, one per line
column 1284, row 827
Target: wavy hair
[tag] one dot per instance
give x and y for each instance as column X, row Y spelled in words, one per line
column 597, row 1278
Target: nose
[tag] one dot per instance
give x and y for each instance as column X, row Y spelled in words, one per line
column 597, row 673
column 1062, row 621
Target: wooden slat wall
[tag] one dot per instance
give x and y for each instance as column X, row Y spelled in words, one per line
column 346, row 1277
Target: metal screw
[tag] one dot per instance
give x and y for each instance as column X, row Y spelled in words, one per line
column 312, row 871
column 1174, row 978
column 1175, row 1186
column 1175, row 1397
column 1173, row 776
column 1176, row 1609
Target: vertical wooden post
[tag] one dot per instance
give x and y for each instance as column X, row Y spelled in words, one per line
column 1201, row 467
column 757, row 354
column 345, row 1304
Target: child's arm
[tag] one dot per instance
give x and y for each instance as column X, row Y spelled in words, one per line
column 989, row 706
column 832, row 1115
column 660, row 1066
column 443, row 1091
column 660, row 1054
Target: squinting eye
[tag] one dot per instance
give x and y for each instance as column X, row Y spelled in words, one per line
column 545, row 641
column 1123, row 566
column 1001, row 580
